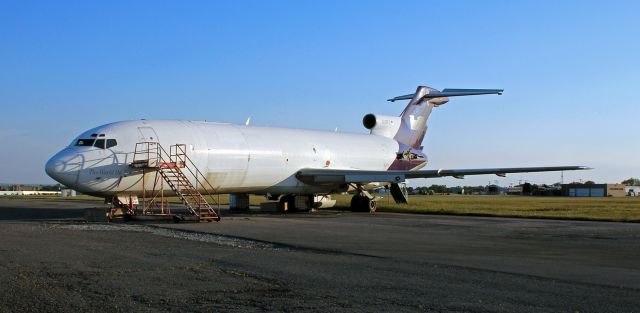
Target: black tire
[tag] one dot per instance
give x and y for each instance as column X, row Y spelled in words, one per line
column 355, row 203
column 360, row 203
column 290, row 201
column 312, row 204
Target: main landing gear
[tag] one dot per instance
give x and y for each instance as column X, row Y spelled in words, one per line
column 299, row 203
column 363, row 204
column 363, row 201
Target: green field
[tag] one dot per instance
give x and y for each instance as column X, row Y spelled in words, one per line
column 622, row 209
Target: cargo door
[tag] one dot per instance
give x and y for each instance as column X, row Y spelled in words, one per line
column 197, row 150
column 228, row 158
column 147, row 133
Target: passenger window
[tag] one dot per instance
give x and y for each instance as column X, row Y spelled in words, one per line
column 85, row 142
column 111, row 143
column 99, row 143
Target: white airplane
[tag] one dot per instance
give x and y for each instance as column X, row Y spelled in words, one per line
column 294, row 165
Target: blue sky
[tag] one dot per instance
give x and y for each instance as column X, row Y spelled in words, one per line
column 570, row 70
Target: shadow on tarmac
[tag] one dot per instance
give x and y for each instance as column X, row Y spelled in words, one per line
column 26, row 214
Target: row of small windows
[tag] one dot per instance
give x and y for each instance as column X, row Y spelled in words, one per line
column 98, row 143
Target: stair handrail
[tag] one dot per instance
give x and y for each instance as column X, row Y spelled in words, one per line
column 197, row 172
column 148, row 152
column 157, row 156
column 188, row 162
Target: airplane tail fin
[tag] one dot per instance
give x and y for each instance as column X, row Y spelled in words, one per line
column 413, row 124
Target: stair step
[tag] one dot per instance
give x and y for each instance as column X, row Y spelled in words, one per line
column 178, row 181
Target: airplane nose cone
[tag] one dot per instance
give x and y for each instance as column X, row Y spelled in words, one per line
column 64, row 167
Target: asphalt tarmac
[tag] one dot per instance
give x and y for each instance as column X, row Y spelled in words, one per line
column 50, row 260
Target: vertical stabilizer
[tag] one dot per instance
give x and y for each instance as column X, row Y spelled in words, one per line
column 413, row 124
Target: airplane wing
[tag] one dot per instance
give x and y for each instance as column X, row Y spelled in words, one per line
column 336, row 176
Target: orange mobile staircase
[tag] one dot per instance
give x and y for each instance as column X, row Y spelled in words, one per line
column 173, row 167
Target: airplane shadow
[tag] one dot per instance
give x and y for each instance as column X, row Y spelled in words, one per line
column 26, row 214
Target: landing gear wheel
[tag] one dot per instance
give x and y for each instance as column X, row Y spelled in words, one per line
column 373, row 205
column 363, row 204
column 355, row 203
column 290, row 202
column 311, row 202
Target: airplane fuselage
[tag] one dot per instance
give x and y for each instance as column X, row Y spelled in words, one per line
column 234, row 158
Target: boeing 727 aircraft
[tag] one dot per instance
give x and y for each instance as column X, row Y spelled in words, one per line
column 294, row 165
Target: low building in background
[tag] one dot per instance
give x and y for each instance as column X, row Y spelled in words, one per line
column 27, row 193
column 528, row 189
column 35, row 190
column 633, row 191
column 593, row 190
column 515, row 190
column 67, row 193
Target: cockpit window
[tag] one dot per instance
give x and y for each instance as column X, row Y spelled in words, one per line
column 99, row 143
column 111, row 143
column 85, row 142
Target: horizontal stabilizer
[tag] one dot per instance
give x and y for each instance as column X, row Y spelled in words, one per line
column 449, row 92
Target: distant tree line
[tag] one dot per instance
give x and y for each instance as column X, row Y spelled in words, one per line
column 428, row 190
column 588, row 182
column 443, row 189
column 56, row 187
column 631, row 182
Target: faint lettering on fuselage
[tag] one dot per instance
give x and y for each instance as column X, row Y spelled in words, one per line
column 106, row 172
